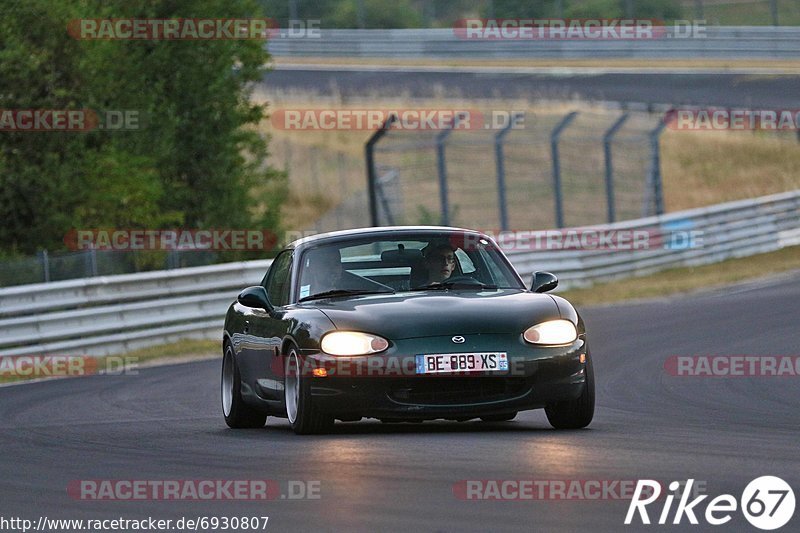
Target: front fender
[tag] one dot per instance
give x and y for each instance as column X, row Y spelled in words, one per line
column 568, row 311
column 306, row 328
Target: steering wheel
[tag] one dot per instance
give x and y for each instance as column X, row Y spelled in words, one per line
column 462, row 279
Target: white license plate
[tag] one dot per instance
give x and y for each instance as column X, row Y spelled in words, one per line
column 461, row 362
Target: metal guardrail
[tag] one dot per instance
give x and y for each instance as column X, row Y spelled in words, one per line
column 105, row 315
column 111, row 314
column 718, row 42
column 734, row 229
column 41, row 297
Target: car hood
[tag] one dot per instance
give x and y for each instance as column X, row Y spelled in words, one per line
column 428, row 313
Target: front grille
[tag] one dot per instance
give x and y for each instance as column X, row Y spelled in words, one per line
column 456, row 390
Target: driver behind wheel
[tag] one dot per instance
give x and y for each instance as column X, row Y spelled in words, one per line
column 440, row 262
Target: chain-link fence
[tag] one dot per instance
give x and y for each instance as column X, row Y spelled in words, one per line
column 744, row 12
column 45, row 267
column 327, row 182
column 547, row 171
column 322, row 180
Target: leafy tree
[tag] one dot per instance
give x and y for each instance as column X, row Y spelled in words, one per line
column 196, row 160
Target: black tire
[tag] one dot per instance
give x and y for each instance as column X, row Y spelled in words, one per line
column 499, row 418
column 577, row 413
column 303, row 416
column 237, row 413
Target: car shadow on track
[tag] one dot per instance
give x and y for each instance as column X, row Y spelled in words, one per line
column 280, row 427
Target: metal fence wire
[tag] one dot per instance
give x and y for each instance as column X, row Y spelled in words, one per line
column 47, row 267
column 565, row 170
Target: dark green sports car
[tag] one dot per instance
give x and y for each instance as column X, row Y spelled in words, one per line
column 402, row 324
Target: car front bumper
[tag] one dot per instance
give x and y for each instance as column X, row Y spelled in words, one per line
column 373, row 387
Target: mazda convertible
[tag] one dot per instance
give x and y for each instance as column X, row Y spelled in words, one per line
column 402, row 324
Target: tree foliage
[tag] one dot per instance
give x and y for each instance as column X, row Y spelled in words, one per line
column 196, row 159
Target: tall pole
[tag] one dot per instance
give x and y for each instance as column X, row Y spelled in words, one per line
column 369, row 150
column 554, row 138
column 608, row 136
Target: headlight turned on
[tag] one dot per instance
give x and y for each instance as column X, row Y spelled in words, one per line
column 551, row 333
column 352, row 343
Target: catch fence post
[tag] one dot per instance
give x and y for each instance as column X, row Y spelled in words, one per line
column 369, row 150
column 607, row 138
column 554, row 137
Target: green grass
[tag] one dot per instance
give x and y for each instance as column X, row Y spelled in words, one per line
column 182, row 350
column 754, row 13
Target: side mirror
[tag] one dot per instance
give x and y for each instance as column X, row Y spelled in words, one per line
column 255, row 297
column 543, row 282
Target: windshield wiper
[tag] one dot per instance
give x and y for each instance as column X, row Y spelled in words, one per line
column 444, row 285
column 342, row 292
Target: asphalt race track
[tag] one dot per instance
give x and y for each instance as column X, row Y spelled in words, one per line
column 165, row 423
column 713, row 89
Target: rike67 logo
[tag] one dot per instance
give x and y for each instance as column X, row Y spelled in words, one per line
column 767, row 503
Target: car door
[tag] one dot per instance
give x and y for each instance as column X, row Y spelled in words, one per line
column 264, row 332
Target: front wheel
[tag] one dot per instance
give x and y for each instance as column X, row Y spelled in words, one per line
column 577, row 413
column 303, row 416
column 237, row 413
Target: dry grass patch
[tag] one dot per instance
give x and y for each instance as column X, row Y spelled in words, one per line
column 688, row 279
column 708, row 167
column 699, row 168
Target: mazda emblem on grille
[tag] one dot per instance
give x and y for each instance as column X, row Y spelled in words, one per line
column 458, row 339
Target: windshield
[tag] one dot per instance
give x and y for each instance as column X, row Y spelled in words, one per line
column 406, row 262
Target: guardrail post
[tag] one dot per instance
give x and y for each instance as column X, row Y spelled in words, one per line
column 441, row 167
column 369, row 150
column 501, row 172
column 607, row 138
column 554, row 137
column 655, row 168
column 93, row 261
column 45, row 266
